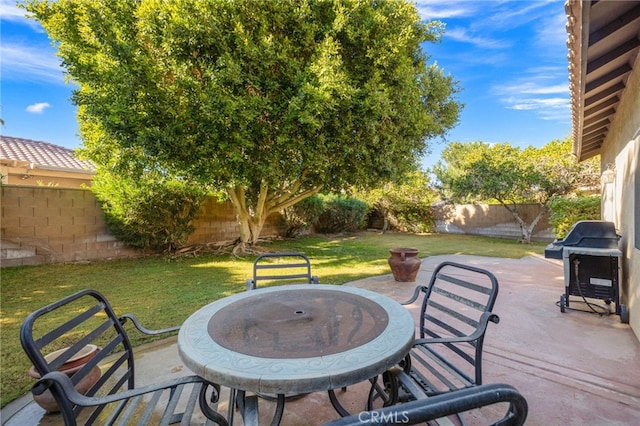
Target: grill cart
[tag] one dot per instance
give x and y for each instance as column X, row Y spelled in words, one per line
column 591, row 261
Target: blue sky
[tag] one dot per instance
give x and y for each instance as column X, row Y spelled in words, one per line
column 509, row 58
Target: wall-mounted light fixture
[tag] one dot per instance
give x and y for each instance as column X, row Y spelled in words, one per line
column 609, row 175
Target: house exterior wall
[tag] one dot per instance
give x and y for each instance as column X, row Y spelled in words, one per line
column 622, row 150
column 24, row 176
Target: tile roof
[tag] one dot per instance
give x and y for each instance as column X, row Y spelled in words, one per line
column 43, row 154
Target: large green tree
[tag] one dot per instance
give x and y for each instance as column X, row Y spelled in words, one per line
column 482, row 172
column 268, row 100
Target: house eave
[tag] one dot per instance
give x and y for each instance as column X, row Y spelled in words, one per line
column 603, row 43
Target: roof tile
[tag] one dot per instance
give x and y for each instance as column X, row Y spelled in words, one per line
column 41, row 153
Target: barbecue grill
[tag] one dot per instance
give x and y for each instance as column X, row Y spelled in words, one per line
column 591, row 260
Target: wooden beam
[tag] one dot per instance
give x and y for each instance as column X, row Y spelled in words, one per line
column 618, row 72
column 618, row 23
column 612, row 55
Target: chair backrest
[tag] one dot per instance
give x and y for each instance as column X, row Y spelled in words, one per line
column 294, row 267
column 457, row 303
column 68, row 327
column 455, row 299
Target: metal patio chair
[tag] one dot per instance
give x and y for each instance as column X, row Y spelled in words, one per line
column 455, row 312
column 281, row 266
column 86, row 318
column 501, row 405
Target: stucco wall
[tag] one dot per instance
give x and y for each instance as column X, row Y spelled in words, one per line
column 23, row 176
column 622, row 150
column 490, row 220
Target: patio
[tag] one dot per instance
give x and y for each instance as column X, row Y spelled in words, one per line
column 574, row 368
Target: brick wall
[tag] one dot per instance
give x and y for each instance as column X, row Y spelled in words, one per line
column 67, row 225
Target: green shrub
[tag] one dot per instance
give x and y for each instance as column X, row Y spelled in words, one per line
column 409, row 215
column 341, row 214
column 567, row 210
column 405, row 205
column 300, row 217
column 151, row 211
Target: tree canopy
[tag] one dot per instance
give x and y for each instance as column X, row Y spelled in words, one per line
column 269, row 100
column 482, row 172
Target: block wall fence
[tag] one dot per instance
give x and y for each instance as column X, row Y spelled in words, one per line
column 491, row 220
column 66, row 225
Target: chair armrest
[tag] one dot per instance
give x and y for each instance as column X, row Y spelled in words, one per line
column 443, row 405
column 479, row 331
column 67, row 387
column 123, row 319
column 416, row 293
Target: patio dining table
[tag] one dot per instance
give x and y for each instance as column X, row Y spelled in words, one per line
column 294, row 339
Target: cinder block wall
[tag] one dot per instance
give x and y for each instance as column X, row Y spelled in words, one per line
column 67, row 225
column 490, row 220
column 217, row 222
column 59, row 225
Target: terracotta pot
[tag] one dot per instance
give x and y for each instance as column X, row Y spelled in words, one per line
column 404, row 263
column 48, row 402
column 46, row 399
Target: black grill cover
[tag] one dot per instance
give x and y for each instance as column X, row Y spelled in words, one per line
column 585, row 233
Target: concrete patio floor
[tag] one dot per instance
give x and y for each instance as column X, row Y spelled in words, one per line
column 574, row 368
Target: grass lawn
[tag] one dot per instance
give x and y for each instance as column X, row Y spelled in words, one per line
column 164, row 292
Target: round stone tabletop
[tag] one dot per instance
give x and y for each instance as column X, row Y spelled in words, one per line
column 296, row 338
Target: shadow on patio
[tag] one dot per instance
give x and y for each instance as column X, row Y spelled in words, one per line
column 574, row 368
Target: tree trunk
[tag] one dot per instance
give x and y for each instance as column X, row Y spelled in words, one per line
column 535, row 221
column 251, row 219
column 524, row 229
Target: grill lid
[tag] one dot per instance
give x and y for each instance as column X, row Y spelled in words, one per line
column 585, row 233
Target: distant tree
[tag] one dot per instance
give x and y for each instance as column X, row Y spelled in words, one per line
column 477, row 171
column 271, row 101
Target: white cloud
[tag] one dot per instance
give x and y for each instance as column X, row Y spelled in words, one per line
column 541, row 90
column 30, row 62
column 463, row 35
column 551, row 29
column 38, row 108
column 444, row 9
column 428, row 13
column 26, row 53
column 531, row 88
column 11, row 12
column 537, row 103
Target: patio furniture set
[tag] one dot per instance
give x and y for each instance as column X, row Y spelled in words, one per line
column 282, row 342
